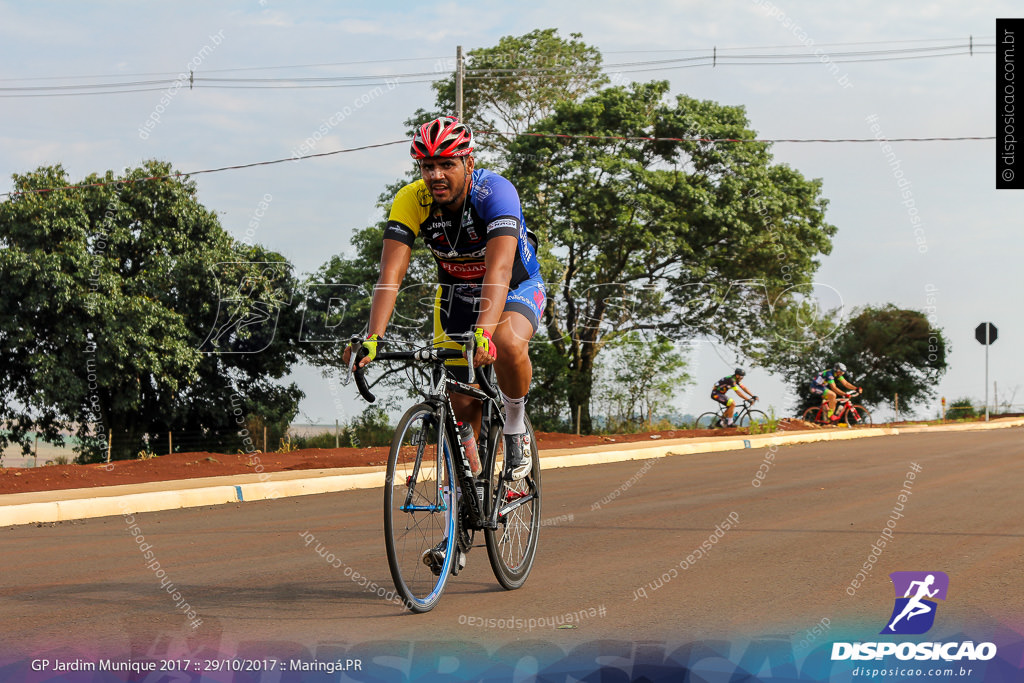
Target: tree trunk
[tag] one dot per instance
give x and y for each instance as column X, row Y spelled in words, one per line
column 126, row 438
column 581, row 387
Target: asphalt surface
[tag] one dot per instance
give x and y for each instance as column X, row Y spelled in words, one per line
column 620, row 559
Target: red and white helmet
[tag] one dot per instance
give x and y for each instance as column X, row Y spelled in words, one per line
column 443, row 137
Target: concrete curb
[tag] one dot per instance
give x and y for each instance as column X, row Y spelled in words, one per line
column 59, row 506
column 1000, row 423
column 605, row 454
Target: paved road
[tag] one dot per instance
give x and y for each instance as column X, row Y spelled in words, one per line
column 621, row 552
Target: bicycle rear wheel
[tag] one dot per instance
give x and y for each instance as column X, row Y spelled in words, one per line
column 707, row 421
column 512, row 547
column 419, row 508
column 755, row 417
column 814, row 415
column 857, row 415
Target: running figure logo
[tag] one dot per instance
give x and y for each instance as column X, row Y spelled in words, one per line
column 914, row 611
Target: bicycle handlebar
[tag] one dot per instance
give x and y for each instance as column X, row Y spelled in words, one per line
column 361, row 384
column 427, row 354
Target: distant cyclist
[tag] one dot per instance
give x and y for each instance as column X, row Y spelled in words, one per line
column 721, row 391
column 824, row 385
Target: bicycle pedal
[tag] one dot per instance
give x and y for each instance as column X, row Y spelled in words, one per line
column 434, row 559
column 459, row 563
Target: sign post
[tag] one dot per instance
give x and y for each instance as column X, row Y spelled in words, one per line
column 986, row 334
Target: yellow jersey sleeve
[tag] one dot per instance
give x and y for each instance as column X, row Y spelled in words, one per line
column 411, row 206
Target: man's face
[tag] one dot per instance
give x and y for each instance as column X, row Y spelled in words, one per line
column 446, row 178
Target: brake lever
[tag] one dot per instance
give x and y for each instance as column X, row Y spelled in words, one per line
column 352, row 357
column 470, row 347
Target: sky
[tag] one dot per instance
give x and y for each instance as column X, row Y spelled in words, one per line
column 921, row 224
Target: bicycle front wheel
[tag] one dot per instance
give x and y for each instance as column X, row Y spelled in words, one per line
column 752, row 417
column 857, row 416
column 419, row 509
column 513, row 545
column 707, row 421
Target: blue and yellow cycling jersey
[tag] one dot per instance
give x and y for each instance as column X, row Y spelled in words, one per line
column 459, row 243
column 823, row 378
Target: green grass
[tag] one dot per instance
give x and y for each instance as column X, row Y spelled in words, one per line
column 769, row 426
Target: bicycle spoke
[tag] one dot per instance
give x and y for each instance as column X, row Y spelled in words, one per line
column 512, row 546
column 418, row 514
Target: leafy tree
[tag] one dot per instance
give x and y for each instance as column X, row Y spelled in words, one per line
column 511, row 86
column 248, row 346
column 371, row 428
column 960, row 409
column 111, row 322
column 638, row 377
column 686, row 238
column 887, row 350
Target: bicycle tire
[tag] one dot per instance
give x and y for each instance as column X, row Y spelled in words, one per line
column 752, row 416
column 858, row 415
column 814, row 415
column 707, row 421
column 512, row 547
column 419, row 472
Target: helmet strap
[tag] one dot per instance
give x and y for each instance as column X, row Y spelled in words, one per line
column 467, row 188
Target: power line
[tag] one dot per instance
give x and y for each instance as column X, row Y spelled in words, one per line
column 307, row 66
column 84, row 86
column 714, row 58
column 727, row 140
column 445, row 58
column 796, row 47
column 185, row 174
column 96, row 92
column 846, row 61
column 491, row 132
column 168, row 74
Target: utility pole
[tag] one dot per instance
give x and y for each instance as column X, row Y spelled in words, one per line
column 460, row 74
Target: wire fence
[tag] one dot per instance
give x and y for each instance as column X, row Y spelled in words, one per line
column 304, row 435
column 44, row 452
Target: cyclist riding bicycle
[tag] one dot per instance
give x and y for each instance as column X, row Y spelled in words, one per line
column 721, row 389
column 824, row 385
column 487, row 267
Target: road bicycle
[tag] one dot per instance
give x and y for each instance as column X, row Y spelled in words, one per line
column 743, row 417
column 854, row 415
column 433, row 504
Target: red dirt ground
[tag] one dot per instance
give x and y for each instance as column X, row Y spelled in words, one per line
column 193, row 465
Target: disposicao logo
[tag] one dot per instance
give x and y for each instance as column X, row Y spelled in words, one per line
column 912, row 614
column 914, row 611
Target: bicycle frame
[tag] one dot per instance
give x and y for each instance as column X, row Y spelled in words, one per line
column 843, row 404
column 439, row 397
column 431, row 523
column 740, row 411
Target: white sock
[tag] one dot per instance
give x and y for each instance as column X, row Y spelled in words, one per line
column 515, row 414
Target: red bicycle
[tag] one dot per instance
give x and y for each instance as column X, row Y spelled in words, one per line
column 853, row 414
